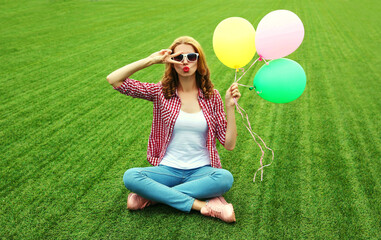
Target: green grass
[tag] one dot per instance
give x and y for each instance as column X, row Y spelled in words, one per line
column 67, row 137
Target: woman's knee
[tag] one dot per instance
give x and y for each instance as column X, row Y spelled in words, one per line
column 130, row 177
column 226, row 179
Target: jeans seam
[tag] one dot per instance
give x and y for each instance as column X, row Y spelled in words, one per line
column 197, row 177
column 203, row 175
column 142, row 171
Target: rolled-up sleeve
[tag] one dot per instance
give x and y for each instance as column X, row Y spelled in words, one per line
column 221, row 119
column 137, row 89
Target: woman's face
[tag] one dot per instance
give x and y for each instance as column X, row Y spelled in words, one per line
column 186, row 68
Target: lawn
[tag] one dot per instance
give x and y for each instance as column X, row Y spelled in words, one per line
column 67, row 137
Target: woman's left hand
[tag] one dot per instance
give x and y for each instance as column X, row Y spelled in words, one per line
column 231, row 93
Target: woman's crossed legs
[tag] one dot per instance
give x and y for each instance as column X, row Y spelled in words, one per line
column 178, row 188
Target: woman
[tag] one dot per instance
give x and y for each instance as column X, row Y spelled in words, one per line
column 188, row 116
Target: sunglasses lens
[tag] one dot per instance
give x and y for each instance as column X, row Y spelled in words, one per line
column 192, row 57
column 178, row 58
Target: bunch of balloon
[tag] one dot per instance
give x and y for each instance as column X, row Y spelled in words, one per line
column 282, row 80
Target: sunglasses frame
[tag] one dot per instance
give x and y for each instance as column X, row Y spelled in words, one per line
column 186, row 55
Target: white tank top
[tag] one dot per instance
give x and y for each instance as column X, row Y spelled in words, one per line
column 187, row 146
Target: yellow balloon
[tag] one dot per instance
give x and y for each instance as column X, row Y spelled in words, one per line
column 234, row 42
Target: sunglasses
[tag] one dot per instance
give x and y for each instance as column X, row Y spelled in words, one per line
column 192, row 57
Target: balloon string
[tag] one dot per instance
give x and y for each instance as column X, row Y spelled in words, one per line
column 248, row 127
column 244, row 72
column 245, row 85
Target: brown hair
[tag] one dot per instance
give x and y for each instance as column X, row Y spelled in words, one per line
column 170, row 79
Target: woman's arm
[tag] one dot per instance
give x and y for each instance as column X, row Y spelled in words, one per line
column 231, row 129
column 117, row 77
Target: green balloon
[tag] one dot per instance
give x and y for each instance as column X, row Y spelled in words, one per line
column 281, row 81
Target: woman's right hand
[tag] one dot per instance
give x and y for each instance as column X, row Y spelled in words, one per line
column 164, row 56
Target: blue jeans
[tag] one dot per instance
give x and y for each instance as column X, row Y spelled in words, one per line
column 176, row 187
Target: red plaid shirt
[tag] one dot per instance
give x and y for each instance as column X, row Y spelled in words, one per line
column 165, row 113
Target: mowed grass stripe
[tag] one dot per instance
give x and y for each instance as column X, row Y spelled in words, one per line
column 63, row 62
column 71, row 186
column 315, row 219
column 308, row 180
column 315, row 213
column 344, row 195
column 52, row 112
column 55, row 128
column 286, row 214
column 90, row 28
column 346, row 198
column 48, row 101
column 50, row 17
column 310, row 174
column 338, row 194
column 362, row 131
column 43, row 138
column 271, row 205
column 361, row 103
column 44, row 213
column 360, row 162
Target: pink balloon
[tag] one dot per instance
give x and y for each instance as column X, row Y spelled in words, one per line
column 279, row 33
